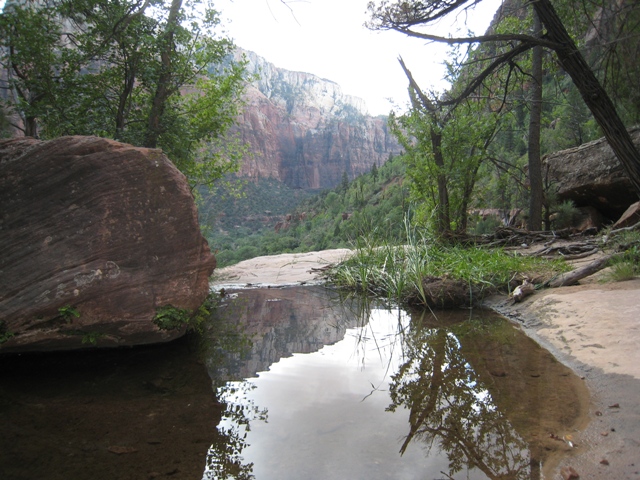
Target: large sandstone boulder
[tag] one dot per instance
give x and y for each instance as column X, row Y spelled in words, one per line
column 591, row 176
column 95, row 236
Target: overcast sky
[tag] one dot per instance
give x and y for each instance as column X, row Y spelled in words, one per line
column 327, row 38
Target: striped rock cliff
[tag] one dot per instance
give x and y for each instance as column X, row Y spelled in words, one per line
column 305, row 132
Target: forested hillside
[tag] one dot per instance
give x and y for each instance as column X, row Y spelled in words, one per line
column 293, row 221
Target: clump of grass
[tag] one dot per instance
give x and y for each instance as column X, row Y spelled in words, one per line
column 401, row 273
column 621, row 271
column 626, row 264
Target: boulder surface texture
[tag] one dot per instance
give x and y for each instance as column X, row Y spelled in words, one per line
column 95, row 236
column 591, row 176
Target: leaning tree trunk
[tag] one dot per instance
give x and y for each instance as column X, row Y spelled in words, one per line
column 593, row 94
column 535, row 116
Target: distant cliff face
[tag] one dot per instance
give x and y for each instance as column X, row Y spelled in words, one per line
column 303, row 131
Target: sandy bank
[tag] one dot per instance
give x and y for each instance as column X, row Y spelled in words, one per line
column 595, row 330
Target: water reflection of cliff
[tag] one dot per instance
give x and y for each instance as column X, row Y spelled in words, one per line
column 277, row 323
column 491, row 401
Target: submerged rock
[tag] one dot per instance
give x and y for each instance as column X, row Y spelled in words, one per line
column 95, row 235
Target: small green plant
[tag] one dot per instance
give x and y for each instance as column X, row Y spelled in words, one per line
column 68, row 312
column 92, row 337
column 486, row 226
column 4, row 333
column 171, row 318
column 566, row 215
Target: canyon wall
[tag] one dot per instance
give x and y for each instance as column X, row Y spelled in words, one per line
column 303, row 131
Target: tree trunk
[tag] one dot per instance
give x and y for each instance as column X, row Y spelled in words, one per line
column 421, row 409
column 127, row 88
column 444, row 219
column 535, row 115
column 593, row 94
column 163, row 88
column 30, row 127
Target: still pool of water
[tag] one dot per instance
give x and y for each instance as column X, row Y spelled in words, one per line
column 296, row 383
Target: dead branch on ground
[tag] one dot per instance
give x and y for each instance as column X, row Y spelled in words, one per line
column 572, row 277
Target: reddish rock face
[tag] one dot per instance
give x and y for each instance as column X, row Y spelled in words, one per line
column 306, row 148
column 105, row 228
column 304, row 131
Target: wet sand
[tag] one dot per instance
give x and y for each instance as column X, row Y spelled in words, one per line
column 593, row 328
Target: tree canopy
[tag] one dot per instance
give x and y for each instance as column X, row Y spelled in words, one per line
column 149, row 73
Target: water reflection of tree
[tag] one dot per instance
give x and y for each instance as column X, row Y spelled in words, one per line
column 224, row 458
column 450, row 408
column 227, row 345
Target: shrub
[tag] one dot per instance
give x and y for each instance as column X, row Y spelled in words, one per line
column 566, row 215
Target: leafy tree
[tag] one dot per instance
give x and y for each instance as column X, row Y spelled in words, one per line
column 414, row 17
column 445, row 147
column 36, row 60
column 105, row 78
column 344, row 183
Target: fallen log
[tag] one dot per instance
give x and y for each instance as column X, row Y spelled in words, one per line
column 572, row 277
column 624, row 229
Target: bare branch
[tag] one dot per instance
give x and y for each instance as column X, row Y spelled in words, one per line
column 510, row 37
column 426, row 101
column 480, row 78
